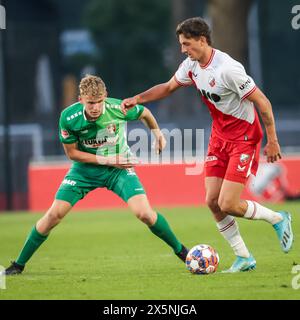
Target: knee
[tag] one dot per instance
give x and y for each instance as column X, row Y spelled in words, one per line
column 54, row 217
column 212, row 203
column 146, row 216
column 227, row 205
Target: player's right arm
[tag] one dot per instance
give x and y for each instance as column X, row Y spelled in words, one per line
column 72, row 152
column 157, row 92
column 118, row 161
column 70, row 144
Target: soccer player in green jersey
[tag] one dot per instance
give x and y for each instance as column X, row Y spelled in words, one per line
column 92, row 132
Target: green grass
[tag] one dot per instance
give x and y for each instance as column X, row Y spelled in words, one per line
column 111, row 255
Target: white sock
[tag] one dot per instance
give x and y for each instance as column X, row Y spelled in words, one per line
column 230, row 231
column 255, row 211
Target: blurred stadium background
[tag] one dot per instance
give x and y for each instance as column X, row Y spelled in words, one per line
column 49, row 44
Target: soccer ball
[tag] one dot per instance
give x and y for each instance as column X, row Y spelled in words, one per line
column 202, row 259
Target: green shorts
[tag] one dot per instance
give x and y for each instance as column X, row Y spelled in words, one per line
column 83, row 178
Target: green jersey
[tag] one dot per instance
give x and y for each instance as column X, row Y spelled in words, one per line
column 106, row 136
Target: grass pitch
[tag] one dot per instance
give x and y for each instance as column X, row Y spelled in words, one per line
column 110, row 255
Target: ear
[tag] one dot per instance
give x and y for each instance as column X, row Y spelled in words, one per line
column 79, row 99
column 203, row 40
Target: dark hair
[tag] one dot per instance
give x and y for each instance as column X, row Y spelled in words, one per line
column 194, row 28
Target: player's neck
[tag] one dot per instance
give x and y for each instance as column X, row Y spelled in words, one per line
column 206, row 57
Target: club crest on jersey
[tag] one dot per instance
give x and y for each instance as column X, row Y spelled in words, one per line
column 64, row 133
column 212, row 81
column 244, row 158
column 111, row 128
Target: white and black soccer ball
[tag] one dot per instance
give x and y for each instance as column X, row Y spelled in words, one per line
column 202, row 259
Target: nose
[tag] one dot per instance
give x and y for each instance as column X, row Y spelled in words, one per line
column 95, row 107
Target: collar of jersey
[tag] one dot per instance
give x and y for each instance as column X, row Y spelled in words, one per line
column 210, row 60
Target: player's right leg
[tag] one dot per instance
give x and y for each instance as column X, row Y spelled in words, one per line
column 78, row 182
column 39, row 234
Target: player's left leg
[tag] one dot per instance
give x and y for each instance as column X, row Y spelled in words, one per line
column 230, row 201
column 215, row 170
column 127, row 185
column 157, row 223
column 226, row 224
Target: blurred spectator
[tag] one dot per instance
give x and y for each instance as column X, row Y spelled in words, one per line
column 271, row 183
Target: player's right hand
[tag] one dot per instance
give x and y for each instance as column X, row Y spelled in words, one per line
column 129, row 103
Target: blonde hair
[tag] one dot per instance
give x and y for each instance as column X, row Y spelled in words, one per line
column 92, row 86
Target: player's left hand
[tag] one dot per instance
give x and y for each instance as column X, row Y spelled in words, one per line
column 272, row 151
column 160, row 144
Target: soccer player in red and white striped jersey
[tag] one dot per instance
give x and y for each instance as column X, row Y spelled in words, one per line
column 231, row 96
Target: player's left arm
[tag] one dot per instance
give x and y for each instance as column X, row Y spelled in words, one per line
column 150, row 122
column 272, row 148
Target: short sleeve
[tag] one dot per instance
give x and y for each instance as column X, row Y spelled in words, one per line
column 134, row 113
column 182, row 74
column 237, row 80
column 65, row 134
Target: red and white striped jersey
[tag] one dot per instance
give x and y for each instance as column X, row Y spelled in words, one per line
column 224, row 86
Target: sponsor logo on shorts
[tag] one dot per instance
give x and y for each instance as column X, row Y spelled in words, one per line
column 211, row 158
column 240, row 168
column 138, row 189
column 69, row 182
column 244, row 158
